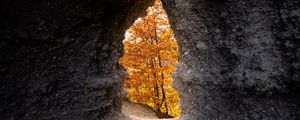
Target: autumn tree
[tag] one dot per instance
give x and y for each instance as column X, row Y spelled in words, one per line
column 151, row 53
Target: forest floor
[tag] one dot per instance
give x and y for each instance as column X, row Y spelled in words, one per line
column 136, row 111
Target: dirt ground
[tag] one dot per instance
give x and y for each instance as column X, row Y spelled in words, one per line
column 139, row 112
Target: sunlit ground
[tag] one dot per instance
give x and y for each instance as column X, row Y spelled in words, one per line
column 151, row 54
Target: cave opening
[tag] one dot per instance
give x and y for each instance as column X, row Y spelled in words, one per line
column 150, row 57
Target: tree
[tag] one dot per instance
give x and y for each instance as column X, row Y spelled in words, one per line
column 151, row 54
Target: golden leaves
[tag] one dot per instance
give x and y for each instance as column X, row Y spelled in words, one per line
column 151, row 54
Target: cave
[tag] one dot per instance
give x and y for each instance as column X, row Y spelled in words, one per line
column 238, row 59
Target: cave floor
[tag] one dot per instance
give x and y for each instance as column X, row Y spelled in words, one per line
column 139, row 112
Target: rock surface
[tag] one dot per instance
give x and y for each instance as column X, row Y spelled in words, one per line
column 239, row 59
column 59, row 57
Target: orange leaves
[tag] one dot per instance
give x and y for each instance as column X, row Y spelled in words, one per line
column 151, row 54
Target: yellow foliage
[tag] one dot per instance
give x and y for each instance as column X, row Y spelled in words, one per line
column 151, row 54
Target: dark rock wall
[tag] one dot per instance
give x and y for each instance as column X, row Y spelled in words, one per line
column 58, row 58
column 239, row 59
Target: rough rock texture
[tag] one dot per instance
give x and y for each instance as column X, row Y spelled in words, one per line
column 58, row 58
column 239, row 59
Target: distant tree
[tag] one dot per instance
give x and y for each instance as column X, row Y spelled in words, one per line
column 151, row 54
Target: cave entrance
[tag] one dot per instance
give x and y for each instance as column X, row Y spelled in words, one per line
column 151, row 54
